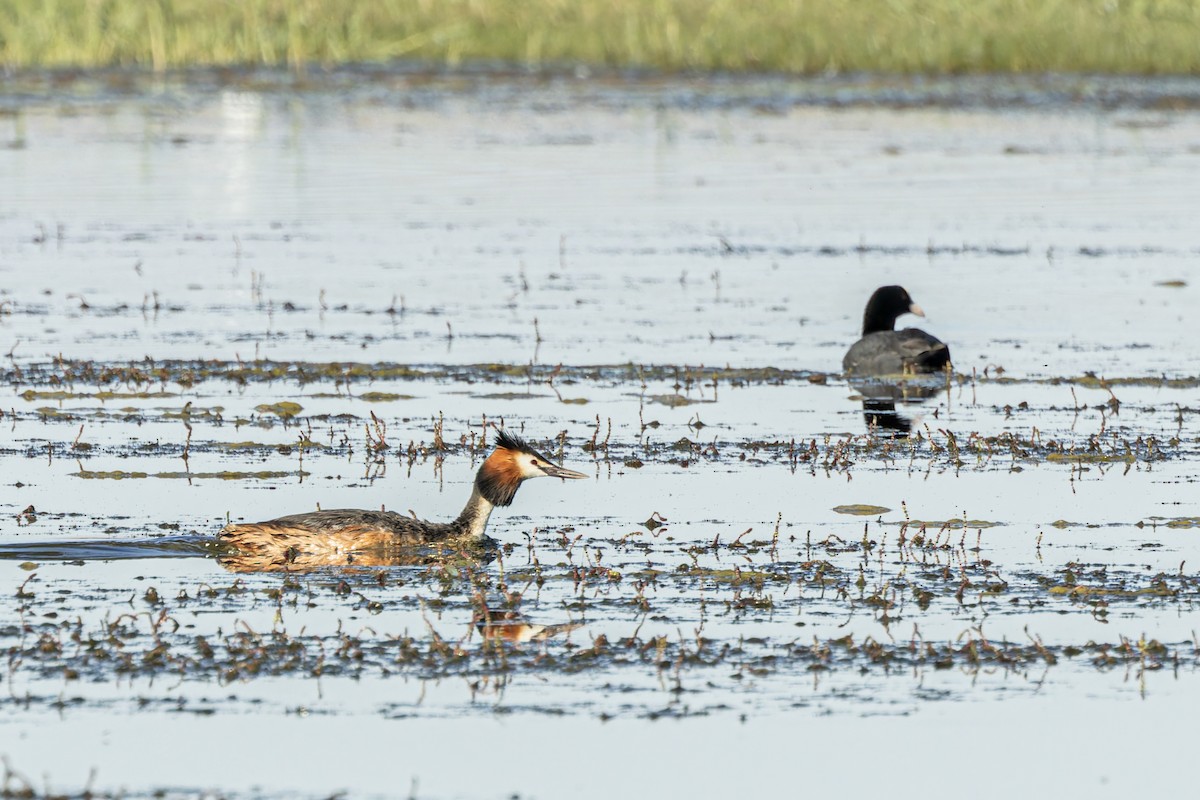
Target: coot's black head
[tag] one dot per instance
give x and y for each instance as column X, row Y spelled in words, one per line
column 885, row 305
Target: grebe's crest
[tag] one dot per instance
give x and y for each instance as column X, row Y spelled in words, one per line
column 512, row 462
column 510, row 441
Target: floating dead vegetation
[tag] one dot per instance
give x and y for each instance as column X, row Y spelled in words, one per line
column 860, row 510
column 1093, row 458
column 285, row 409
column 944, row 448
column 671, row 400
column 223, row 475
column 137, row 379
column 303, row 444
column 951, row 524
column 384, row 397
column 1090, row 381
column 189, row 374
column 1160, row 590
column 509, row 396
column 29, row 395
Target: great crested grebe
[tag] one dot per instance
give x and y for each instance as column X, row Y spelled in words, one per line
column 335, row 536
column 884, row 351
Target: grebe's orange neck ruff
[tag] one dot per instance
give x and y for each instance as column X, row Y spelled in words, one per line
column 499, row 477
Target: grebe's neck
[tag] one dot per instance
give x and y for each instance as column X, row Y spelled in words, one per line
column 473, row 520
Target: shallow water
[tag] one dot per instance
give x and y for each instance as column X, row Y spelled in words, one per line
column 660, row 292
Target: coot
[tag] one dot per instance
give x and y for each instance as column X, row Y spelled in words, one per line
column 885, row 351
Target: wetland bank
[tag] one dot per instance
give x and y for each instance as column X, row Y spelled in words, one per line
column 224, row 302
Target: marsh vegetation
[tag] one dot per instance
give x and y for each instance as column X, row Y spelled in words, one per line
column 815, row 37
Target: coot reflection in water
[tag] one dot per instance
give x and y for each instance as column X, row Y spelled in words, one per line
column 885, row 403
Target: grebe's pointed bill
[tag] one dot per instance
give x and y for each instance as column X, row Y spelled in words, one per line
column 916, row 309
column 555, row 471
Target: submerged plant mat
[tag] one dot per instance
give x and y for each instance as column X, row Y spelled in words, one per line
column 674, row 634
column 638, row 614
column 818, row 36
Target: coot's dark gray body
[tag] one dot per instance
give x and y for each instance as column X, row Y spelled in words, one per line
column 884, row 351
column 895, row 352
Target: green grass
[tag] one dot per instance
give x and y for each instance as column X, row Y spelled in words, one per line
column 793, row 36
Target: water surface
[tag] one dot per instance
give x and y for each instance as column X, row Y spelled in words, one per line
column 660, row 292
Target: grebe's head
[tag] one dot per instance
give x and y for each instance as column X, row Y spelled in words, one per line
column 512, row 462
column 887, row 303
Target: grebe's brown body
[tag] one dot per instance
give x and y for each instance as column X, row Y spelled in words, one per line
column 349, row 535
